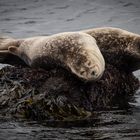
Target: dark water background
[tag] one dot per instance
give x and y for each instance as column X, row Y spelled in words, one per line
column 25, row 18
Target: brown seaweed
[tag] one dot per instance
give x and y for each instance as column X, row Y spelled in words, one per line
column 56, row 94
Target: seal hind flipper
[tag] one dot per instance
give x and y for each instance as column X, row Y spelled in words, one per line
column 3, row 54
column 6, row 57
column 4, row 41
column 13, row 50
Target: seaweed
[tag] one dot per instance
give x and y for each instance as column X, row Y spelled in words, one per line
column 57, row 94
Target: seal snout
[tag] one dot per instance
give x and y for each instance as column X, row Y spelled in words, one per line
column 95, row 73
column 91, row 68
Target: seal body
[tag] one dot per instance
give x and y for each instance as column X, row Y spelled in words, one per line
column 121, row 46
column 77, row 52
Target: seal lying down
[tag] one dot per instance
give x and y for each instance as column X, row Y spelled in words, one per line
column 74, row 51
column 119, row 47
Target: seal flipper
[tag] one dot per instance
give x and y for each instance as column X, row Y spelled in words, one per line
column 4, row 41
column 8, row 58
column 13, row 46
column 13, row 50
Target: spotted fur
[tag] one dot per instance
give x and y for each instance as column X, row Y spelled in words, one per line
column 123, row 45
column 74, row 51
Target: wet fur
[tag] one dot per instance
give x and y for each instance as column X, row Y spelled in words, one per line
column 77, row 52
column 119, row 47
column 123, row 45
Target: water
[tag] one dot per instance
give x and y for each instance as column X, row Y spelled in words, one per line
column 24, row 18
column 119, row 124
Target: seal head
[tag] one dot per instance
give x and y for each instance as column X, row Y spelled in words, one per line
column 88, row 61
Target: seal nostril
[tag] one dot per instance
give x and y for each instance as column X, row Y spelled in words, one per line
column 82, row 72
column 93, row 73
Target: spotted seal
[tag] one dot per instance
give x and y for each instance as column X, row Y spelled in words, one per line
column 75, row 51
column 119, row 47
